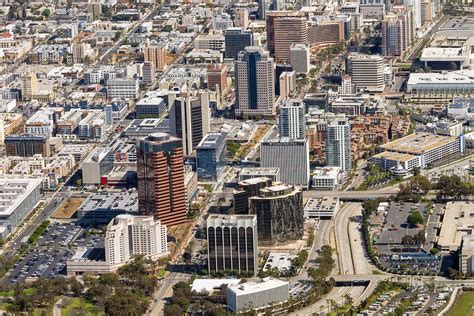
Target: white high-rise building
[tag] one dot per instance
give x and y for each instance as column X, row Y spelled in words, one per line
column 129, row 235
column 338, row 143
column 300, row 58
column 347, row 87
column 367, row 72
column 255, row 82
column 292, row 122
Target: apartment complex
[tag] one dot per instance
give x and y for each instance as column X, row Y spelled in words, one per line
column 338, row 144
column 291, row 121
column 156, row 54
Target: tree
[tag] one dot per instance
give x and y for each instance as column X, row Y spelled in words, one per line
column 416, row 171
column 46, row 13
column 173, row 310
column 415, row 218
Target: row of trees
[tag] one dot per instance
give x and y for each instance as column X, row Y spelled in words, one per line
column 414, row 190
column 453, row 188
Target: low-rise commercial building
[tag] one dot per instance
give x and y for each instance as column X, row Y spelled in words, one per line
column 96, row 165
column 326, row 178
column 258, row 172
column 466, row 255
column 253, row 295
column 18, row 197
column 101, row 208
column 458, row 221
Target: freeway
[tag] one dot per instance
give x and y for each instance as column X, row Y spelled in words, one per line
column 352, row 195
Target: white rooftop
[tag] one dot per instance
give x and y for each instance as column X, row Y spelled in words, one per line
column 443, row 53
column 252, row 287
column 211, row 284
column 449, row 77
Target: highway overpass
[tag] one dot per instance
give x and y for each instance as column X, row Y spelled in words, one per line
column 352, row 195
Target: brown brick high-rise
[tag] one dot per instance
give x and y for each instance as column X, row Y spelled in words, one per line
column 160, row 173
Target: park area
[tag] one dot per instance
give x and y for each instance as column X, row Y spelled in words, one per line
column 464, row 305
column 68, row 208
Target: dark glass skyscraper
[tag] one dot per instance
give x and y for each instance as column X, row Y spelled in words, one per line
column 211, row 155
column 236, row 39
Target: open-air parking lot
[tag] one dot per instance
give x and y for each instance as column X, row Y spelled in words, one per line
column 49, row 256
column 402, row 246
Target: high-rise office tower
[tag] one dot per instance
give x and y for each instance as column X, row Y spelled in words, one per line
column 261, row 11
column 95, row 8
column 270, row 26
column 300, row 58
column 241, row 18
column 255, row 79
column 287, row 31
column 338, row 144
column 232, row 243
column 190, row 119
column 157, row 55
column 29, row 86
column 160, row 175
column 127, row 236
column 291, row 156
column 280, row 214
column 149, row 75
column 398, row 31
column 292, row 122
column 366, row 71
column 236, row 39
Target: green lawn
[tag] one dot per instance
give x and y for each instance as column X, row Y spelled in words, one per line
column 463, row 305
column 75, row 305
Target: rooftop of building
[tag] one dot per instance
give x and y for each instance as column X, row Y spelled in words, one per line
column 458, row 221
column 212, row 141
column 210, row 285
column 326, row 172
column 98, row 154
column 13, row 191
column 418, row 144
column 325, row 203
column 394, row 156
column 253, row 287
column 127, row 201
column 259, row 171
column 443, row 53
column 465, row 76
